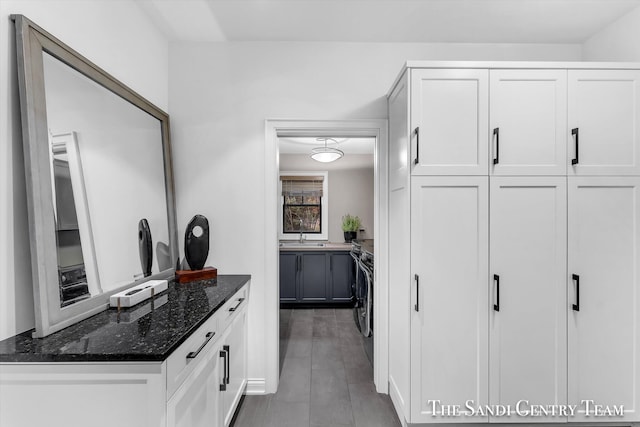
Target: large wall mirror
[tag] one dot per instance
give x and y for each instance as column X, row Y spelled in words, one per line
column 97, row 162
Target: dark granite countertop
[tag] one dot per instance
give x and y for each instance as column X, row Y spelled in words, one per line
column 146, row 332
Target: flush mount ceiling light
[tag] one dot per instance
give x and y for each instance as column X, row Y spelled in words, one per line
column 326, row 154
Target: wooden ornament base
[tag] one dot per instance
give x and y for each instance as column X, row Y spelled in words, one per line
column 185, row 276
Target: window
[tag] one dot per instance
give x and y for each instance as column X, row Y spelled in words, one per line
column 303, row 205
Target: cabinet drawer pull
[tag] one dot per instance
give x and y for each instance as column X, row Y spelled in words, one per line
column 416, row 131
column 194, row 354
column 417, row 306
column 227, row 368
column 225, row 355
column 237, row 305
column 576, row 278
column 496, row 134
column 496, row 279
column 576, row 135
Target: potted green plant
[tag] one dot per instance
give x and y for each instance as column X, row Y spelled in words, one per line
column 350, row 226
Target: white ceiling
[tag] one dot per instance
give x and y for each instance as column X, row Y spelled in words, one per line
column 303, row 145
column 465, row 21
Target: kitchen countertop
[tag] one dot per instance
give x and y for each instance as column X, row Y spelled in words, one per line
column 149, row 331
column 328, row 246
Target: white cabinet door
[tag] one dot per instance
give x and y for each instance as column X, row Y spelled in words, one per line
column 604, row 122
column 398, row 107
column 528, row 113
column 449, row 122
column 235, row 344
column 449, row 303
column 604, row 325
column 528, row 341
column 197, row 403
column 399, row 264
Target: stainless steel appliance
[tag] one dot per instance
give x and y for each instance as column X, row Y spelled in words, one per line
column 73, row 284
column 362, row 254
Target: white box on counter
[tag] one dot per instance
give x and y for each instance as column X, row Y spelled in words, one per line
column 138, row 293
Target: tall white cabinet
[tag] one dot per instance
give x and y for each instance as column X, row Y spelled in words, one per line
column 604, row 253
column 514, row 242
column 528, row 350
column 449, row 222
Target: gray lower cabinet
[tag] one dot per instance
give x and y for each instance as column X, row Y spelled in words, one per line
column 342, row 268
column 313, row 284
column 316, row 277
column 288, row 276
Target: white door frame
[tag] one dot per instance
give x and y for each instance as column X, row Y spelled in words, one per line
column 376, row 128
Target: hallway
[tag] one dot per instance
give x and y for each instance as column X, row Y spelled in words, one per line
column 326, row 378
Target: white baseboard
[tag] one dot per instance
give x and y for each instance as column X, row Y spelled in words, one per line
column 256, row 386
column 396, row 399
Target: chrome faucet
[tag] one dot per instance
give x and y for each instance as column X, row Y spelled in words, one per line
column 300, row 240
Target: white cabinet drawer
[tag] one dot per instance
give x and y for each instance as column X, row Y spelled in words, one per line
column 230, row 308
column 182, row 361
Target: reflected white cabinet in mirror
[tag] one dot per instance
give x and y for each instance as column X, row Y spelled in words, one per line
column 97, row 161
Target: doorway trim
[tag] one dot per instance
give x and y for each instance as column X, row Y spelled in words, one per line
column 374, row 128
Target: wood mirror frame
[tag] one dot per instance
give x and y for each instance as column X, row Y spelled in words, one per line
column 32, row 41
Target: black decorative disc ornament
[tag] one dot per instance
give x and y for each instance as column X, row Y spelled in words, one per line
column 145, row 246
column 196, row 246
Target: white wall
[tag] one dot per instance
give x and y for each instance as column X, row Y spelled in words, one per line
column 350, row 190
column 115, row 35
column 619, row 41
column 220, row 95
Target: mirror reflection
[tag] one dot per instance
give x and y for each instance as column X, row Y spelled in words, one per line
column 107, row 174
column 69, row 197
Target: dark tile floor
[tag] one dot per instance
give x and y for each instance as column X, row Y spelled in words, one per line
column 326, row 378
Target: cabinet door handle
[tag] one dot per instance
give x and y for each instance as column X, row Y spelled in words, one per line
column 416, row 131
column 225, row 355
column 496, row 279
column 576, row 134
column 496, row 135
column 576, row 278
column 417, row 306
column 227, row 369
column 330, row 262
column 194, row 354
column 237, row 305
